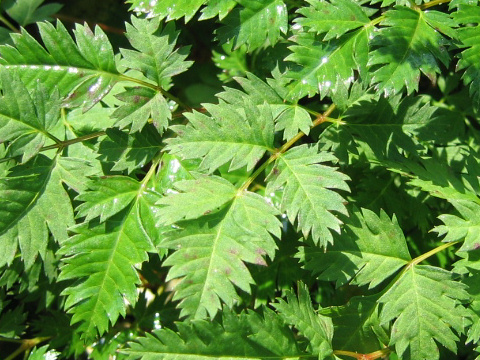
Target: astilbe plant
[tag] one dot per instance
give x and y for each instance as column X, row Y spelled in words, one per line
column 322, row 204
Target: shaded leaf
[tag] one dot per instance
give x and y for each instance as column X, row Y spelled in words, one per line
column 26, row 12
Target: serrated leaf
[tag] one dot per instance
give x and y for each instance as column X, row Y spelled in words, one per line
column 308, row 194
column 469, row 58
column 12, row 323
column 226, row 134
column 333, row 18
column 403, row 47
column 293, row 120
column 255, row 24
column 155, row 55
column 84, row 72
column 142, row 105
column 369, row 250
column 43, row 353
column 170, row 9
column 197, row 197
column 466, row 227
column 247, row 336
column 319, row 65
column 26, row 12
column 211, row 252
column 34, row 201
column 357, row 326
column 104, row 259
column 219, row 8
column 425, row 303
column 130, row 152
column 106, row 197
column 316, row 328
column 26, row 120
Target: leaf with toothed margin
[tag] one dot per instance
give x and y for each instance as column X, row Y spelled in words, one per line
column 26, row 12
column 104, row 258
column 83, row 71
column 26, row 121
column 318, row 65
column 239, row 136
column 196, row 198
column 405, row 45
column 170, row 9
column 369, row 250
column 210, row 253
column 142, row 105
column 308, row 191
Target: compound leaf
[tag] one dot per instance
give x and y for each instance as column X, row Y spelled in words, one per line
column 170, row 9
column 84, row 72
column 104, row 258
column 403, row 47
column 469, row 58
column 211, row 252
column 369, row 250
column 247, row 336
column 197, row 198
column 228, row 134
column 316, row 328
column 425, row 303
column 333, row 18
column 307, row 191
column 26, row 12
column 255, row 24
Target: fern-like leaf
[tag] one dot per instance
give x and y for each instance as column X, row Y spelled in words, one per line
column 308, row 194
column 247, row 336
column 227, row 134
column 319, row 65
column 368, row 251
column 465, row 228
column 469, row 57
column 425, row 303
column 104, row 257
column 34, row 201
column 333, row 18
column 84, row 71
column 211, row 251
column 405, row 46
column 26, row 121
column 256, row 24
column 316, row 328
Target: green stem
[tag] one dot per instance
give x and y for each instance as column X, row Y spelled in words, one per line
column 321, row 118
column 370, row 356
column 26, row 345
column 433, row 3
column 63, row 144
column 8, row 24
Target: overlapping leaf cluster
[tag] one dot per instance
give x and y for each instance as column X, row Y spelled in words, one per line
column 322, row 204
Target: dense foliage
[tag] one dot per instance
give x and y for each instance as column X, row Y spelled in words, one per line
column 241, row 179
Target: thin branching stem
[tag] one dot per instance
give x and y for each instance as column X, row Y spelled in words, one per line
column 27, row 345
column 8, row 24
column 370, row 356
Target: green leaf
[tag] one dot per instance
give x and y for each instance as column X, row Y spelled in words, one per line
column 256, row 23
column 369, row 250
column 26, row 121
column 84, row 72
column 34, row 201
column 142, row 105
column 227, row 134
column 357, row 325
column 219, row 8
column 12, row 323
column 316, row 328
column 469, row 58
column 403, row 47
column 26, row 12
column 333, row 18
column 130, row 152
column 247, row 336
column 197, row 198
column 425, row 303
column 155, row 55
column 462, row 228
column 170, row 9
column 104, row 257
column 308, row 194
column 319, row 65
column 43, row 353
column 211, row 252
column 106, row 197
